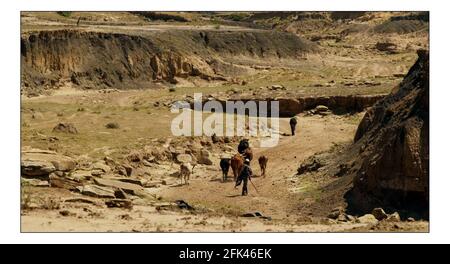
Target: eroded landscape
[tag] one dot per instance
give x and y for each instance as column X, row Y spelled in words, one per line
column 98, row 153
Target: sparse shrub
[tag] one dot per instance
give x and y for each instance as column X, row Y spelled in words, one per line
column 64, row 13
column 112, row 125
column 50, row 204
column 172, row 89
column 217, row 26
column 236, row 16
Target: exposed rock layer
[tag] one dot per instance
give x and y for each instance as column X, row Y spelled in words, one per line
column 393, row 142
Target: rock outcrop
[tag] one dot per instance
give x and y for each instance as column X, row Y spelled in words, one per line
column 289, row 107
column 98, row 60
column 393, row 145
column 40, row 163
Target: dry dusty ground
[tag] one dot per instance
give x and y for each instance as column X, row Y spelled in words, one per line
column 280, row 194
column 287, row 202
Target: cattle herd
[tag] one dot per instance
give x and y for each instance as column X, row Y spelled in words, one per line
column 236, row 162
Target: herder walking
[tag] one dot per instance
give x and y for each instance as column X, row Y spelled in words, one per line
column 293, row 124
column 244, row 176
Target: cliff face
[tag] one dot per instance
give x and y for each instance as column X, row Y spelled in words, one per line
column 393, row 141
column 125, row 61
column 96, row 60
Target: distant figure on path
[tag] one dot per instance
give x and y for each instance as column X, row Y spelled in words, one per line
column 293, row 124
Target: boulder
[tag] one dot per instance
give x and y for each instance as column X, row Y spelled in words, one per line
column 96, row 191
column 379, row 214
column 205, row 157
column 101, row 165
column 395, row 217
column 37, row 162
column 367, row 219
column 342, row 218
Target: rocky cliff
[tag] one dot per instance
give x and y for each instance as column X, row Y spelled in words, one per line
column 130, row 61
column 393, row 145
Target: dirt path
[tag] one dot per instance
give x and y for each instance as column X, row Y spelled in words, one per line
column 274, row 198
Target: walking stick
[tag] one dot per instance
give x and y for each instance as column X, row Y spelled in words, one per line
column 253, row 185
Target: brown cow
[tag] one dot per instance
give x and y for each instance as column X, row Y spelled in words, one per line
column 262, row 160
column 248, row 154
column 237, row 163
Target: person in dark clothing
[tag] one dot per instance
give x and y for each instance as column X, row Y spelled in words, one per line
column 244, row 176
column 243, row 145
column 293, row 124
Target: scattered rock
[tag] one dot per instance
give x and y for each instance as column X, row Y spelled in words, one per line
column 134, row 157
column 205, row 157
column 65, row 128
column 119, row 203
column 36, row 162
column 97, row 191
column 131, row 180
column 128, row 188
column 410, row 219
column 350, row 218
column 276, row 87
column 379, row 214
column 102, row 165
column 79, row 176
column 62, row 182
column 343, row 169
column 321, row 108
column 386, row 47
column 367, row 219
column 152, row 184
column 336, row 212
column 66, row 213
column 310, row 165
column 395, row 217
column 120, row 194
column 34, row 182
column 79, row 200
column 112, row 125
